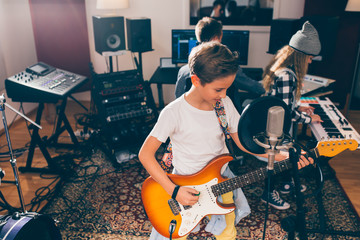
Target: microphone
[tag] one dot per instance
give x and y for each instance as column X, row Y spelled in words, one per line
column 274, row 132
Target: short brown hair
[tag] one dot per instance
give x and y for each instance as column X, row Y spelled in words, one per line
column 212, row 60
column 207, row 28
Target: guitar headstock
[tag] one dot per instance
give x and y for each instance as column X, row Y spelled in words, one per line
column 334, row 147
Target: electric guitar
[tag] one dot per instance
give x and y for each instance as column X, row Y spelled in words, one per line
column 163, row 210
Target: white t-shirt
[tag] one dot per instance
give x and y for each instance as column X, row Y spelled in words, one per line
column 196, row 135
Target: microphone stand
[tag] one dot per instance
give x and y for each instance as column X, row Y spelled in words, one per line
column 12, row 159
column 273, row 145
column 294, row 154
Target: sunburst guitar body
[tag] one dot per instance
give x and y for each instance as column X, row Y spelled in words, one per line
column 162, row 210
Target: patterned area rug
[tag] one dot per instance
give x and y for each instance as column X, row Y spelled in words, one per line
column 103, row 202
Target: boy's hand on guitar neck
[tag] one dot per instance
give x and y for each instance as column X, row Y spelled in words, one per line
column 303, row 160
column 187, row 196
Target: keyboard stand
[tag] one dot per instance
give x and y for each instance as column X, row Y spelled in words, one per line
column 37, row 140
column 53, row 140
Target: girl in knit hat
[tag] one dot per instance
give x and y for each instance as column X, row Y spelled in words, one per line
column 283, row 78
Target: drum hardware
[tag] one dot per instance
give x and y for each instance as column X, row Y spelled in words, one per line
column 28, row 226
column 24, row 225
column 12, row 159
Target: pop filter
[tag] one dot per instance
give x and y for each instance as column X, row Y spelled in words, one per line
column 253, row 121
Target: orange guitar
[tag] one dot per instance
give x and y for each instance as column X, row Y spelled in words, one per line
column 162, row 209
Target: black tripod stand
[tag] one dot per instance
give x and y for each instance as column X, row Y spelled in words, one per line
column 12, row 159
column 12, row 226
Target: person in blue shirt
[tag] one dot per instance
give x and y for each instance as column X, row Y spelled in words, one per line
column 209, row 29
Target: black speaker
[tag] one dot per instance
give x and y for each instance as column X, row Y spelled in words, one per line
column 281, row 32
column 109, row 34
column 138, row 34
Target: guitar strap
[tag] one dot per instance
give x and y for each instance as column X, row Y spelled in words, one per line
column 220, row 113
column 166, row 160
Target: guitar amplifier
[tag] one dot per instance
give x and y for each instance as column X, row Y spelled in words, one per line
column 125, row 107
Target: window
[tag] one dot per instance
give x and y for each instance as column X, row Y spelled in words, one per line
column 233, row 12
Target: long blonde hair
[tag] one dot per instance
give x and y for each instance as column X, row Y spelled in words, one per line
column 286, row 57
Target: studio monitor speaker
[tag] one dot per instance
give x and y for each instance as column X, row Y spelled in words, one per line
column 109, row 34
column 138, row 34
column 281, row 32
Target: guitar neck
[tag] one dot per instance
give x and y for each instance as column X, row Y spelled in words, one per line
column 326, row 148
column 249, row 178
column 252, row 177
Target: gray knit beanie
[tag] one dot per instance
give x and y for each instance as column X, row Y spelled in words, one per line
column 306, row 40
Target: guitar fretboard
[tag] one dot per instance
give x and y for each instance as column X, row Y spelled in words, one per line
column 249, row 178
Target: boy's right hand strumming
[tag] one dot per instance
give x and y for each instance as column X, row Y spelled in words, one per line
column 187, row 196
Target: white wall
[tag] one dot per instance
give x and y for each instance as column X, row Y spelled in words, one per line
column 17, row 46
column 289, row 8
column 174, row 14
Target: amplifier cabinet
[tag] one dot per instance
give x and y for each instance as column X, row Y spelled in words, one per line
column 125, row 107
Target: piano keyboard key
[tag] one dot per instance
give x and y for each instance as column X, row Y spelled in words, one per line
column 334, row 124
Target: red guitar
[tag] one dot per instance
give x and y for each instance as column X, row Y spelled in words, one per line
column 162, row 209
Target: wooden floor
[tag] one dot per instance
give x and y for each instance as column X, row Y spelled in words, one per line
column 346, row 164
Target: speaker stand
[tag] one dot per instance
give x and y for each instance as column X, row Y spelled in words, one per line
column 139, row 65
column 111, row 64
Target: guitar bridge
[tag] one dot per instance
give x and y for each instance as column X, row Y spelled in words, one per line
column 174, row 206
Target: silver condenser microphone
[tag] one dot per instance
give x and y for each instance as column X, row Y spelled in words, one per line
column 274, row 132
